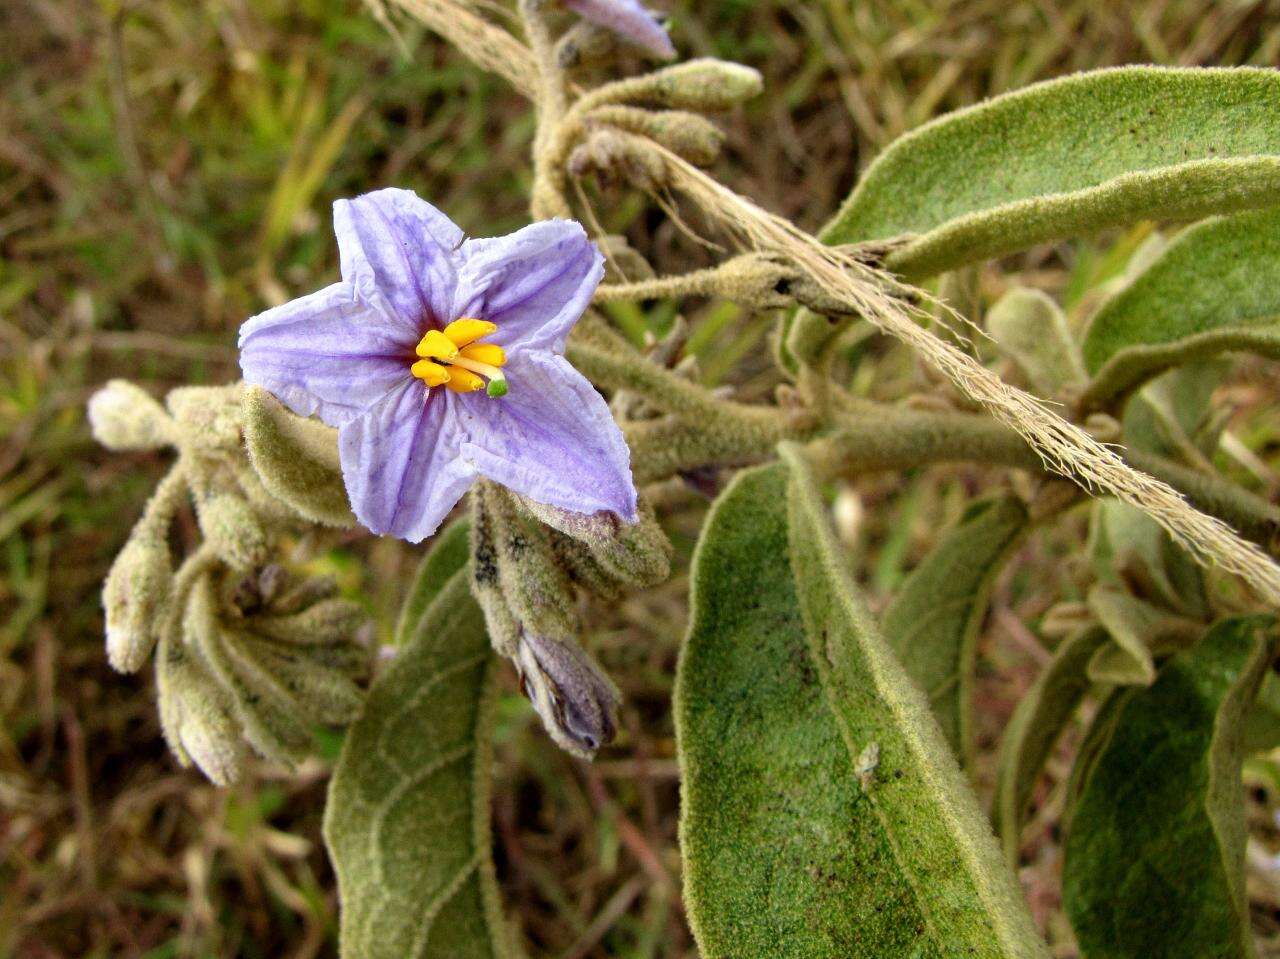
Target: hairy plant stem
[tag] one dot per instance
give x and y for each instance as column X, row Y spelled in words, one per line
column 703, row 431
column 708, row 282
column 547, row 198
column 167, row 499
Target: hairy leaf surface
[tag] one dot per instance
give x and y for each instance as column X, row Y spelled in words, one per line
column 407, row 822
column 1070, row 157
column 1035, row 726
column 934, row 621
column 1215, row 288
column 450, row 549
column 1154, row 857
column 804, row 836
column 296, row 459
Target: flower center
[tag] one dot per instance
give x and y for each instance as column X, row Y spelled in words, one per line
column 451, row 357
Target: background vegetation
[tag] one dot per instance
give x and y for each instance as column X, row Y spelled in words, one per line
column 166, row 170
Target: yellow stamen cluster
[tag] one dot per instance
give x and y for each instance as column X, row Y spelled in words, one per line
column 451, row 357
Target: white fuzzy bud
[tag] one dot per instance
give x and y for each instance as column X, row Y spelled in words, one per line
column 233, row 530
column 134, row 599
column 123, row 416
column 704, row 84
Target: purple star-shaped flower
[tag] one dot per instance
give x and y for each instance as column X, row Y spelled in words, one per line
column 439, row 360
column 628, row 19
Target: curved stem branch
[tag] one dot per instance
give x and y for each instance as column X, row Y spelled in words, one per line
column 548, row 198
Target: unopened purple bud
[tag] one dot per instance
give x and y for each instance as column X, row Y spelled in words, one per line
column 575, row 700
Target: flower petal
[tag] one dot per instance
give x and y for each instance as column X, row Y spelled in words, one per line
column 401, row 463
column 550, row 438
column 397, row 250
column 326, row 354
column 535, row 284
column 629, row 19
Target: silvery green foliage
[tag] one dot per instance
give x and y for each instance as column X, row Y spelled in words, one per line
column 824, row 811
column 1156, row 813
column 407, row 823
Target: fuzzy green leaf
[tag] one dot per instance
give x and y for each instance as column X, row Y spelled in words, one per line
column 1262, row 729
column 450, row 549
column 1154, row 857
column 823, row 814
column 296, row 459
column 1070, row 157
column 1030, row 327
column 934, row 621
column 407, row 821
column 1035, row 726
column 1215, row 288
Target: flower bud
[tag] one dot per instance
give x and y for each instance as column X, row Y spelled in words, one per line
column 232, row 529
column 196, row 715
column 296, row 459
column 614, row 156
column 208, row 417
column 575, row 700
column 294, row 599
column 686, row 134
column 323, row 623
column 134, row 599
column 123, row 416
column 636, row 553
column 585, row 42
column 1064, row 619
column 313, row 689
column 272, row 724
column 209, row 735
column 538, row 591
column 583, row 568
column 704, row 84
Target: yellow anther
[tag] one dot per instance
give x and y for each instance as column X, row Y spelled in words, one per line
column 468, row 330
column 490, row 354
column 463, row 381
column 436, row 346
column 433, row 374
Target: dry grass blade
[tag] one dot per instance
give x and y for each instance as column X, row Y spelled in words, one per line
column 488, row 46
column 1064, row 447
